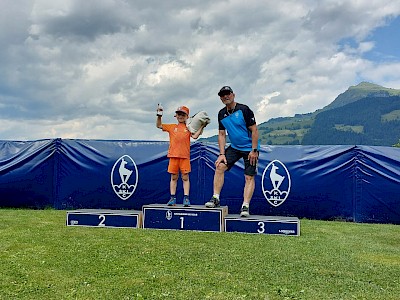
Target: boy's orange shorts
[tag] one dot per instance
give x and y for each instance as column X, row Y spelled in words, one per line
column 176, row 164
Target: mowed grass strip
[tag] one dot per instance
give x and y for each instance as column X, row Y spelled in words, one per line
column 42, row 258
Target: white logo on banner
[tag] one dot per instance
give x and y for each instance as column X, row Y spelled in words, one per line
column 276, row 183
column 124, row 177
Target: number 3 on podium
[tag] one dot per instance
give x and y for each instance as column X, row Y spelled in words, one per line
column 262, row 227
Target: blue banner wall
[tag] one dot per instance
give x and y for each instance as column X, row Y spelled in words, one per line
column 27, row 173
column 377, row 192
column 321, row 181
column 88, row 174
column 353, row 183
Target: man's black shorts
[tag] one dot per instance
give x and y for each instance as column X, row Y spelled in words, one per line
column 233, row 155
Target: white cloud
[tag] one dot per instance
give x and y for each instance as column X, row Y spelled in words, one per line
column 98, row 69
column 263, row 105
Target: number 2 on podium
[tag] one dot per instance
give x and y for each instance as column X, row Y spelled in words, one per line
column 103, row 219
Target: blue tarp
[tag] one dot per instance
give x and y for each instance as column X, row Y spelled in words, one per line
column 353, row 183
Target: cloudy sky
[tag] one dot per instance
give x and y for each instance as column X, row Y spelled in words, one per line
column 96, row 69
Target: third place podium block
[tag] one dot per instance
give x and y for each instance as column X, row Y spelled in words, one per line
column 263, row 224
column 195, row 217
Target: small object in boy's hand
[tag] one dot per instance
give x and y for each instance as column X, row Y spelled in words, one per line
column 159, row 110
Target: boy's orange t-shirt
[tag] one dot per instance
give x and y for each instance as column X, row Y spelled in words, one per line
column 179, row 140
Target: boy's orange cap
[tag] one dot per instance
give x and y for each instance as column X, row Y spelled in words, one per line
column 183, row 109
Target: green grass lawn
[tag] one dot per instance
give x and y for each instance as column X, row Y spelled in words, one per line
column 42, row 258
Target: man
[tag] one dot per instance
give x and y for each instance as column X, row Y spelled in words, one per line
column 239, row 122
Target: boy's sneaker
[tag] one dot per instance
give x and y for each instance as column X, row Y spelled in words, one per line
column 214, row 202
column 186, row 201
column 172, row 201
column 244, row 212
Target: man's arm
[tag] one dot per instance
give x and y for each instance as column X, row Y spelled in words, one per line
column 253, row 156
column 254, row 136
column 221, row 144
column 221, row 141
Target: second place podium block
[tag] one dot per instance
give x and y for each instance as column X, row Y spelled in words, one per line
column 105, row 218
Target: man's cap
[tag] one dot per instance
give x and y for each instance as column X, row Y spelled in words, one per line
column 225, row 89
column 183, row 109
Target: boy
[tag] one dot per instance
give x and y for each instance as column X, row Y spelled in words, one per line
column 179, row 151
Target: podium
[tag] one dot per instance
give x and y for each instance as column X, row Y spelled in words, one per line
column 195, row 217
column 263, row 225
column 105, row 218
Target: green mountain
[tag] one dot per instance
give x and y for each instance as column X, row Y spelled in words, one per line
column 368, row 121
column 360, row 91
column 365, row 114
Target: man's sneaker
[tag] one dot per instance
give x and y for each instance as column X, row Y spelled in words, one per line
column 172, row 201
column 214, row 202
column 244, row 212
column 186, row 201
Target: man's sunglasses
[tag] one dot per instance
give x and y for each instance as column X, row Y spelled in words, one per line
column 222, row 94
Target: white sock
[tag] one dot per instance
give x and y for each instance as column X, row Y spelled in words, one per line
column 246, row 204
column 216, row 196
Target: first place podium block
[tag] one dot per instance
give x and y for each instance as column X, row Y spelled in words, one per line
column 263, row 224
column 105, row 218
column 195, row 217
